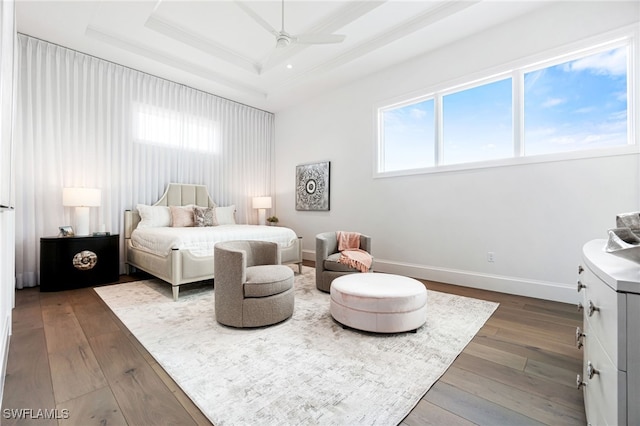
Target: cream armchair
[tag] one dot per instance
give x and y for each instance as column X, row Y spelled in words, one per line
column 327, row 255
column 251, row 288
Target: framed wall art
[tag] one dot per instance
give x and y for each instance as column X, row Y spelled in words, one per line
column 312, row 186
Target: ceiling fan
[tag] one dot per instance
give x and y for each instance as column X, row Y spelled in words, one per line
column 283, row 38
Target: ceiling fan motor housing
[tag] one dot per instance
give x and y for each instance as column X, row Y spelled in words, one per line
column 283, row 39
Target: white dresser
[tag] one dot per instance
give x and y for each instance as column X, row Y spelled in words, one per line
column 610, row 298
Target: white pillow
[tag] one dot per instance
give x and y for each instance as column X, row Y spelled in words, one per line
column 153, row 216
column 224, row 215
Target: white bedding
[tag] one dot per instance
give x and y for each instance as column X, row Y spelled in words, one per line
column 200, row 240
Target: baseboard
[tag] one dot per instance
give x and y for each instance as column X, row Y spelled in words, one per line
column 558, row 292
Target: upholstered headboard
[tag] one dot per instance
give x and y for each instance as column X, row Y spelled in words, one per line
column 179, row 194
column 176, row 194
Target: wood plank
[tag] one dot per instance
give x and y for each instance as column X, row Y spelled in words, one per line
column 552, row 372
column 97, row 408
column 27, row 297
column 61, row 327
column 428, row 414
column 566, row 395
column 529, row 351
column 473, row 408
column 28, row 381
column 75, row 372
column 537, row 341
column 141, row 395
column 544, row 330
column 534, row 317
column 94, row 318
column 27, row 318
column 529, row 405
column 498, row 356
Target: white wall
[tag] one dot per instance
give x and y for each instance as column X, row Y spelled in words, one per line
column 7, row 215
column 534, row 217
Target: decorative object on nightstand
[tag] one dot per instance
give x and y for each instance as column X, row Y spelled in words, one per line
column 73, row 262
column 273, row 220
column 82, row 199
column 261, row 203
column 66, row 231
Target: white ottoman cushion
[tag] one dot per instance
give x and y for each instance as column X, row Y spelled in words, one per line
column 382, row 303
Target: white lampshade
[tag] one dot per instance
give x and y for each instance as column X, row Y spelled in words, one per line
column 81, row 197
column 261, row 202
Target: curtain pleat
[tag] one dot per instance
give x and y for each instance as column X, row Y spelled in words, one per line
column 85, row 122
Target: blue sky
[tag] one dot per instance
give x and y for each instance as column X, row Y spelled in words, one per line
column 578, row 104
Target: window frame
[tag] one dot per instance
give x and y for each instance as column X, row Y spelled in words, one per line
column 516, row 70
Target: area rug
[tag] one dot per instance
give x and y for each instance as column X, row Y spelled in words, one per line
column 307, row 370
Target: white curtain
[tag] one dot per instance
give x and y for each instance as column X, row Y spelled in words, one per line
column 85, row 122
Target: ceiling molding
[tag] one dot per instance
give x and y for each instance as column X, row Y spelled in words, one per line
column 334, row 22
column 216, row 50
column 126, row 44
column 431, row 16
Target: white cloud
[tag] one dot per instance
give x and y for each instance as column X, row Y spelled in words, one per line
column 418, row 114
column 585, row 110
column 607, row 63
column 551, row 102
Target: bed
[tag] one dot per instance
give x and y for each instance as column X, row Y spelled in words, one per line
column 181, row 255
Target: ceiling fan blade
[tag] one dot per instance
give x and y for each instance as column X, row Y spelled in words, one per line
column 318, row 38
column 264, row 24
column 272, row 59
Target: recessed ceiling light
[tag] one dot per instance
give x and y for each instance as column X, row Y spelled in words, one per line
column 289, row 66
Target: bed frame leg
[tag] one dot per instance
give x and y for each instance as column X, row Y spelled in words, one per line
column 300, row 268
column 175, row 289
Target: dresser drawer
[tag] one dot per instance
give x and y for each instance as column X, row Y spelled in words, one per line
column 605, row 394
column 605, row 311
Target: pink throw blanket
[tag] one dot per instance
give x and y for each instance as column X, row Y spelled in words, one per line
column 351, row 254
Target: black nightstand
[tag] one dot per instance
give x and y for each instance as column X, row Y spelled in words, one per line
column 74, row 262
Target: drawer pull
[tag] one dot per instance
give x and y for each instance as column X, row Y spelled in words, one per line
column 580, row 307
column 579, row 382
column 581, row 286
column 580, row 269
column 591, row 371
column 579, row 337
column 592, row 308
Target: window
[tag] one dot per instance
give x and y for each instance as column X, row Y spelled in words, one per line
column 477, row 123
column 576, row 102
column 166, row 127
column 409, row 136
column 575, row 105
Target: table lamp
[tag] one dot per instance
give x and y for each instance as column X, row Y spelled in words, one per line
column 261, row 203
column 82, row 199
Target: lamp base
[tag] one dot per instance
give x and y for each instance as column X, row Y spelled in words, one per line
column 82, row 221
column 262, row 214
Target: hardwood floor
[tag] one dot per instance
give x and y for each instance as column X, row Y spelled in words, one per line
column 71, row 356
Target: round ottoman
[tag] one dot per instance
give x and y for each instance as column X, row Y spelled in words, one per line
column 382, row 303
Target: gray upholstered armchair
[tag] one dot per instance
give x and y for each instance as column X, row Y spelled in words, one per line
column 327, row 254
column 251, row 288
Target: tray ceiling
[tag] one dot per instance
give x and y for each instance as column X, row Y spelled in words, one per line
column 218, row 47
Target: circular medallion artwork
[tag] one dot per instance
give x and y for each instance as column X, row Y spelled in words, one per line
column 85, row 260
column 312, row 186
